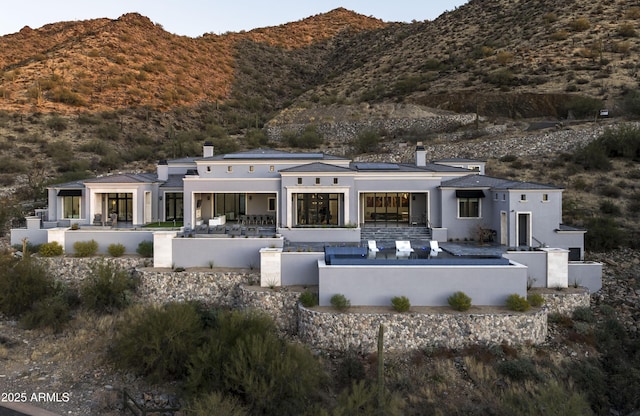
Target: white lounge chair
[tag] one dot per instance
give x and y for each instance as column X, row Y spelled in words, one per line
column 372, row 248
column 435, row 248
column 403, row 248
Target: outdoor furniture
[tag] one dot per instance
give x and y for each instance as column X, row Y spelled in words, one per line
column 97, row 219
column 403, row 248
column 435, row 248
column 372, row 248
column 235, row 230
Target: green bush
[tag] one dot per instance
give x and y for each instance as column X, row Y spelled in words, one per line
column 308, row 299
column 400, row 303
column 51, row 249
column 366, row 141
column 582, row 106
column 610, row 208
column 51, row 312
column 583, row 314
column 604, row 234
column 145, row 249
column 519, row 369
column 22, row 283
column 85, row 248
column 517, row 303
column 535, row 299
column 459, row 301
column 116, row 249
column 157, row 341
column 216, row 403
column 107, row 288
column 340, row 302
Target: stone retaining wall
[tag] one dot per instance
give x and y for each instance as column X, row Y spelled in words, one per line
column 566, row 301
column 281, row 304
column 407, row 331
column 328, row 329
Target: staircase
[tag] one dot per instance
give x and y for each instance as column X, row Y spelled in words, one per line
column 392, row 234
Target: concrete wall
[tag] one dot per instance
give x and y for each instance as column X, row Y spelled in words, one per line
column 300, row 268
column 424, row 285
column 586, row 274
column 223, row 252
column 320, row 235
column 536, row 261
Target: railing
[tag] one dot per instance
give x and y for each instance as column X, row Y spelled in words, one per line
column 128, row 403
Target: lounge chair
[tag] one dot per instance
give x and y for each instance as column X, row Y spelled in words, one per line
column 372, row 248
column 435, row 249
column 403, row 248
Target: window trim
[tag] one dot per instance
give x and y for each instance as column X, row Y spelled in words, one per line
column 469, row 200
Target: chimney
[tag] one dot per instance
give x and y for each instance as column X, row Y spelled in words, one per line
column 207, row 149
column 163, row 170
column 421, row 155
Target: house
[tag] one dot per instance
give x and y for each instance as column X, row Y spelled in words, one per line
column 307, row 197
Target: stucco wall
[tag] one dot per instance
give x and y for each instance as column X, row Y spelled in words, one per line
column 428, row 285
column 223, row 252
column 130, row 239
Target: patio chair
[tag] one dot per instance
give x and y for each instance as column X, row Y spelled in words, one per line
column 403, row 248
column 372, row 248
column 435, row 248
column 236, row 230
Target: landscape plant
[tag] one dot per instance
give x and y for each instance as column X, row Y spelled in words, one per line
column 517, row 303
column 145, row 249
column 107, row 288
column 85, row 248
column 400, row 303
column 459, row 301
column 50, row 249
column 116, row 249
column 340, row 302
column 308, row 299
column 535, row 299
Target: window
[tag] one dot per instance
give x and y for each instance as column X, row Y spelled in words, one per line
column 317, row 181
column 495, row 196
column 272, row 168
column 469, row 207
column 504, row 197
column 545, row 197
column 523, row 197
column 271, row 204
column 335, row 181
column 174, row 205
column 229, row 168
column 251, row 168
column 208, row 168
column 318, row 209
column 71, row 206
column 299, row 181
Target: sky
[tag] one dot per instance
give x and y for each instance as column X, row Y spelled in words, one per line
column 196, row 17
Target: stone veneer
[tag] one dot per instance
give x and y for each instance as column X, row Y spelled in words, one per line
column 407, row 331
column 327, row 329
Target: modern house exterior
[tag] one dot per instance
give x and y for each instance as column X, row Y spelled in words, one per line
column 273, row 198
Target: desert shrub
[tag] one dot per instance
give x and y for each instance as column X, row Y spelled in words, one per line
column 508, row 158
column 604, row 234
column 517, row 303
column 501, row 77
column 592, row 157
column 22, row 283
column 627, row 30
column 57, row 123
column 156, row 341
column 108, row 287
column 340, row 302
column 350, row 369
column 535, row 299
column 550, row 398
column 582, row 106
column 612, row 191
column 66, row 96
column 580, row 24
column 366, row 141
column 308, row 139
column 116, row 249
column 519, row 369
column 559, row 35
column 145, row 249
column 459, row 301
column 108, row 131
column 400, row 303
column 51, row 249
column 215, row 403
column 609, row 208
column 362, row 398
column 583, row 314
column 51, row 312
column 308, row 299
column 85, row 248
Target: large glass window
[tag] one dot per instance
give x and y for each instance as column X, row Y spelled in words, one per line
column 385, row 207
column 231, row 205
column 174, row 206
column 71, row 206
column 469, row 207
column 121, row 204
column 318, row 209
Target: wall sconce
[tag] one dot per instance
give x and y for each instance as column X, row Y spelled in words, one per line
column 208, row 197
column 160, row 197
column 250, row 197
